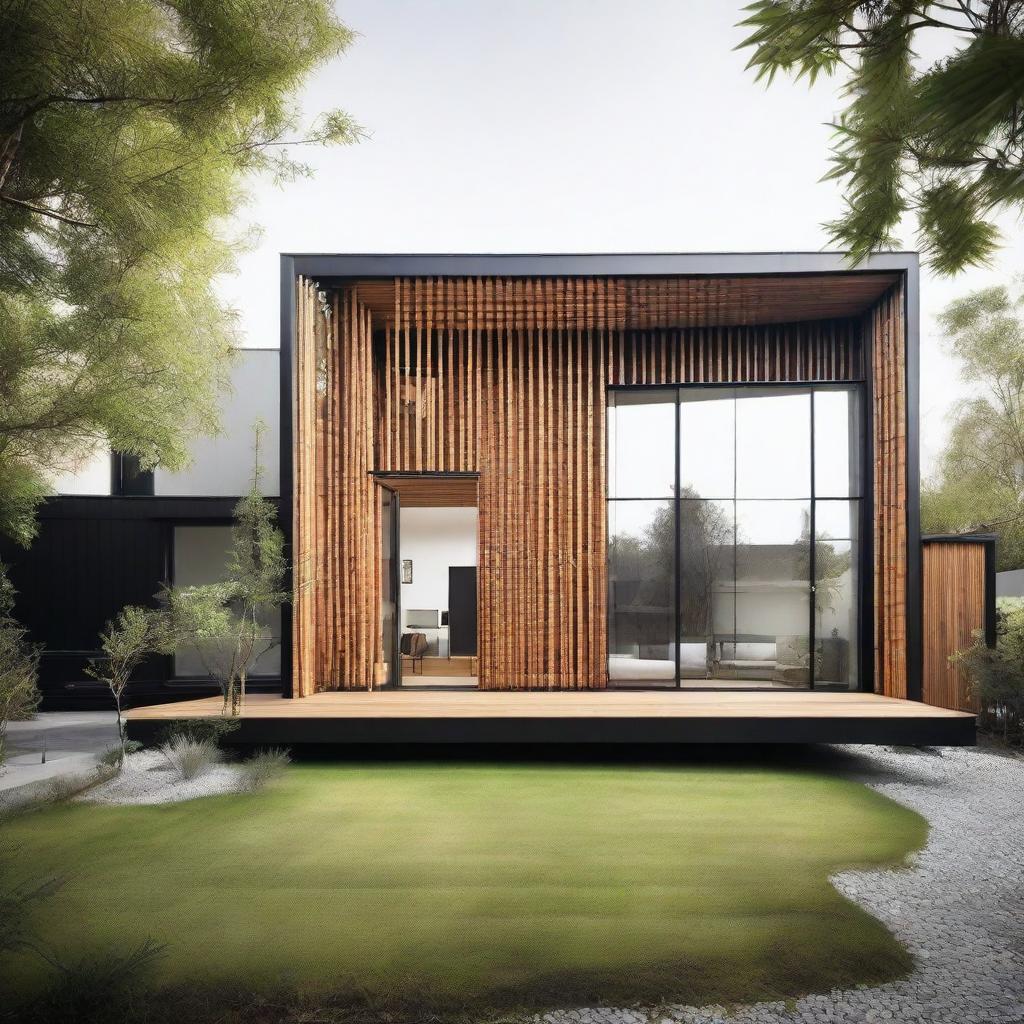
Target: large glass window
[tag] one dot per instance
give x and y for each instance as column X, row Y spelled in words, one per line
column 641, row 449
column 748, row 578
column 200, row 557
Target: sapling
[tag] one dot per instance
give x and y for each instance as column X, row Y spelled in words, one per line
column 126, row 641
column 222, row 621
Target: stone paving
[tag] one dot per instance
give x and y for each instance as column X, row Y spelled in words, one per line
column 959, row 909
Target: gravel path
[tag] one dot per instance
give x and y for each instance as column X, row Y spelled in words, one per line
column 147, row 778
column 960, row 910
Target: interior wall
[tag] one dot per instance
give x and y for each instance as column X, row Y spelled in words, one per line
column 434, row 539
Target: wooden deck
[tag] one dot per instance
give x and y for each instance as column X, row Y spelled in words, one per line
column 579, row 716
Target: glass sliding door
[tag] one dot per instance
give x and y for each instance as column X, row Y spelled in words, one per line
column 707, row 528
column 771, row 641
column 742, row 572
column 388, row 657
column 641, row 538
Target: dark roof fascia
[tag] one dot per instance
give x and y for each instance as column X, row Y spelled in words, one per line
column 712, row 264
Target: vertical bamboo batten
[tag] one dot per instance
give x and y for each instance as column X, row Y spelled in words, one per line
column 889, row 418
column 486, row 392
column 336, row 524
column 828, row 350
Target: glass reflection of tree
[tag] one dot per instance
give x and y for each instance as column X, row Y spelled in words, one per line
column 705, row 560
column 644, row 564
column 830, row 565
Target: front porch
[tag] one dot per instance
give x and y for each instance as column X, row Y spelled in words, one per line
column 574, row 716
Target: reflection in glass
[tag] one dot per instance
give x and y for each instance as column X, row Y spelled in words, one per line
column 706, row 583
column 707, row 432
column 742, row 610
column 837, row 438
column 641, row 445
column 835, row 593
column 641, row 570
column 773, row 443
column 773, row 569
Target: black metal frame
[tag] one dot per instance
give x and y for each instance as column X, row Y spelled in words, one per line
column 334, row 269
column 382, row 477
column 864, row 597
column 395, row 681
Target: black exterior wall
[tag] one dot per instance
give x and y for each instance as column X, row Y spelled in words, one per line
column 94, row 555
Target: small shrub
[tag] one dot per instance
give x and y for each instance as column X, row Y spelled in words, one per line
column 190, row 758
column 112, row 757
column 64, row 787
column 95, row 990
column 265, row 766
column 997, row 674
column 198, row 730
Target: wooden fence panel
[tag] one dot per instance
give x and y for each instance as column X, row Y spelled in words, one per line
column 958, row 598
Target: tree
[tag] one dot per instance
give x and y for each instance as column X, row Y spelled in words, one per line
column 222, row 621
column 19, row 666
column 944, row 143
column 979, row 485
column 126, row 642
column 127, row 129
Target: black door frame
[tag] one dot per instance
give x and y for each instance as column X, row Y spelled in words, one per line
column 395, row 674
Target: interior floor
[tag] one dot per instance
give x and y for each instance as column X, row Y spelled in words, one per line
column 703, row 684
column 411, row 682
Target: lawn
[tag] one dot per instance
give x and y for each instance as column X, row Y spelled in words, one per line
column 487, row 885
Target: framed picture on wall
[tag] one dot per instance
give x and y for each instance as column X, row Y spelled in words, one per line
column 407, row 570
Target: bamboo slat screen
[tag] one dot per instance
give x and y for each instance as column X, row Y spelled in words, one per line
column 521, row 402
column 819, row 350
column 507, row 377
column 336, row 528
column 889, row 412
column 953, row 607
column 646, row 303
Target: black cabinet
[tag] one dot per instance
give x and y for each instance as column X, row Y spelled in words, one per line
column 462, row 610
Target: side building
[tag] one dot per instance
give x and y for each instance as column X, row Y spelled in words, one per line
column 112, row 535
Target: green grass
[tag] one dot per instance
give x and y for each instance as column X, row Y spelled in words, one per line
column 487, row 885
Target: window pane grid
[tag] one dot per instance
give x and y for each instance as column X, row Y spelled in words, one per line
column 764, row 571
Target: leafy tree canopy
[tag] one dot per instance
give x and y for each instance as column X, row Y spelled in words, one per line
column 127, row 128
column 944, row 143
column 980, row 479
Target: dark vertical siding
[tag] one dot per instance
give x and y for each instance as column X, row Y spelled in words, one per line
column 92, row 557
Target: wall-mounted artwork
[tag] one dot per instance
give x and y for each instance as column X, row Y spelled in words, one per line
column 407, row 570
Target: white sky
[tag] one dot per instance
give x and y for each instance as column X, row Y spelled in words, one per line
column 568, row 126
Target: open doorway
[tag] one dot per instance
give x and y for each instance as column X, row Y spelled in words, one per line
column 437, row 529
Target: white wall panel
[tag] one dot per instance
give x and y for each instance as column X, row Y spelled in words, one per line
column 222, row 466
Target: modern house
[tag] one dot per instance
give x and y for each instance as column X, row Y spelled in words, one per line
column 676, row 493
